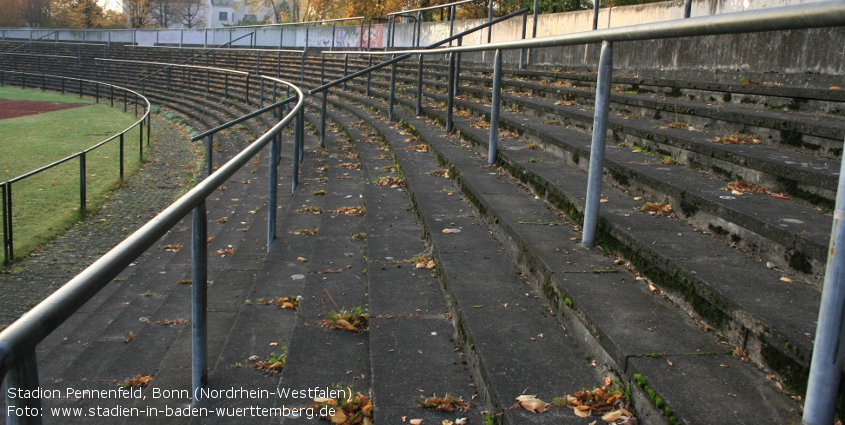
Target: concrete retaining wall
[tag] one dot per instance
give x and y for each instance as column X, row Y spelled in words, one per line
column 808, row 51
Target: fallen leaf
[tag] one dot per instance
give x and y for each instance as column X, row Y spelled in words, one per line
column 532, row 404
column 611, row 416
column 301, row 259
column 416, row 421
column 582, row 411
column 786, row 279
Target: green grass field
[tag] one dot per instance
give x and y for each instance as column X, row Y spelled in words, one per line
column 46, row 204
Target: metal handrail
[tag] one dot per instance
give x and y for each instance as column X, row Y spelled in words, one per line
column 174, row 65
column 39, row 55
column 404, row 54
column 193, row 57
column 440, row 6
column 215, row 49
column 820, row 14
column 69, row 43
column 19, row 340
column 284, row 24
column 826, row 363
column 7, row 202
column 30, row 41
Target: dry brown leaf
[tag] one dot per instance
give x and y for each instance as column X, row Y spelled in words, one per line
column 611, row 416
column 339, row 417
column 415, row 421
column 582, row 411
column 301, row 259
column 532, row 404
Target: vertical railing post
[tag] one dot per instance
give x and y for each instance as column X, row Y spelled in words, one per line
column 149, row 129
column 596, row 14
column 273, row 185
column 826, row 365
column 121, row 157
column 687, row 8
column 261, row 95
column 23, row 376
column 345, row 68
column 495, row 108
column 111, row 96
column 302, row 68
column 246, row 92
column 450, row 93
column 199, row 303
column 209, row 150
column 141, row 143
column 419, row 85
column 522, row 51
column 490, row 19
column 302, row 135
column 457, row 82
column 83, row 197
column 297, row 134
column 602, row 106
column 369, row 76
column 322, row 69
column 392, row 92
column 323, row 118
column 7, row 220
column 226, row 85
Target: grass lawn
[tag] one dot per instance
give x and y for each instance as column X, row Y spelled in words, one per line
column 46, row 204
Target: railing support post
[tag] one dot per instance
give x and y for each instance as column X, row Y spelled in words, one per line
column 596, row 6
column 687, row 8
column 522, row 51
column 83, row 196
column 450, row 93
column 23, row 376
column 226, row 86
column 302, row 68
column 297, row 125
column 826, row 365
column 272, row 191
column 149, row 130
column 246, row 92
column 457, row 82
column 261, row 95
column 495, row 107
column 392, row 92
column 301, row 135
column 345, row 69
column 121, row 157
column 369, row 76
column 322, row 70
column 6, row 195
column 199, row 304
column 141, row 143
column 323, row 118
column 602, row 106
column 209, row 152
column 419, row 85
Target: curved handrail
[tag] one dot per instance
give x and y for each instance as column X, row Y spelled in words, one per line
column 18, row 341
column 116, row 135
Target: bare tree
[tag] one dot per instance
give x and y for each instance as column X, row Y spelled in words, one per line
column 191, row 13
column 138, row 13
column 37, row 12
column 163, row 12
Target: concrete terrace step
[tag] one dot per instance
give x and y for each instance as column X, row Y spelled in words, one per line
column 800, row 250
column 676, row 265
column 489, row 299
column 413, row 348
column 596, row 317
